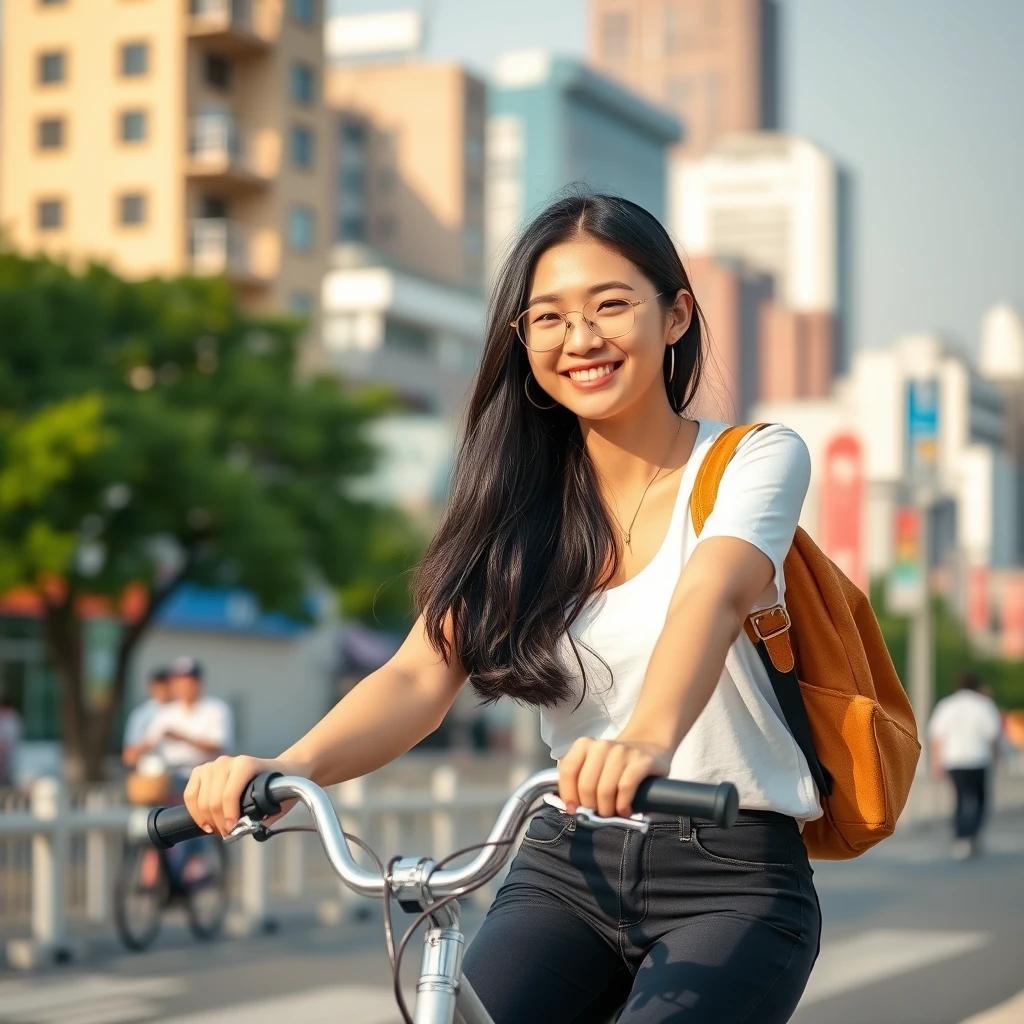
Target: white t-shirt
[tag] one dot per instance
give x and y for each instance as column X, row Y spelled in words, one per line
column 137, row 723
column 741, row 735
column 966, row 725
column 209, row 719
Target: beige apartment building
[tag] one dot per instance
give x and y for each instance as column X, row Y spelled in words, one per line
column 167, row 136
column 714, row 63
column 409, row 185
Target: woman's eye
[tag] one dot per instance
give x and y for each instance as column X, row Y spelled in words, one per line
column 549, row 317
column 613, row 304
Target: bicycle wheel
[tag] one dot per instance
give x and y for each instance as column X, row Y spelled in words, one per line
column 205, row 878
column 140, row 894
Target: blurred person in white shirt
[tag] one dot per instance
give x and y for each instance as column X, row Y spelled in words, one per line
column 965, row 731
column 137, row 724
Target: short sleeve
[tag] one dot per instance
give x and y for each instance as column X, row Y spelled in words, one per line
column 223, row 725
column 937, row 722
column 761, row 495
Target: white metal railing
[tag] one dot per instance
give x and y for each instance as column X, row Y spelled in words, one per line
column 59, row 852
column 218, row 245
column 215, row 137
column 60, row 848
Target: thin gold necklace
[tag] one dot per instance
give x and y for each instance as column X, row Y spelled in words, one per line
column 629, row 532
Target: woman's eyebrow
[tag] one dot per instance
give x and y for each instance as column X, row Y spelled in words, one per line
column 592, row 290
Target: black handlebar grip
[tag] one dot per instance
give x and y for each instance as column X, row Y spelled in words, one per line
column 257, row 802
column 719, row 803
column 168, row 826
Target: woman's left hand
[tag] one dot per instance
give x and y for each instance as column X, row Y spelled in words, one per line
column 604, row 774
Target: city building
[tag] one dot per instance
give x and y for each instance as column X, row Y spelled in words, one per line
column 408, row 167
column 170, row 137
column 553, row 121
column 779, row 204
column 971, row 492
column 714, row 64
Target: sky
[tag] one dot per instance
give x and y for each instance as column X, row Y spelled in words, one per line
column 915, row 97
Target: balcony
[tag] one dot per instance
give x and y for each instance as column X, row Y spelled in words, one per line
column 228, row 25
column 217, row 154
column 217, row 245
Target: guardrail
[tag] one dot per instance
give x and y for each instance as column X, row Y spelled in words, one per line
column 60, row 848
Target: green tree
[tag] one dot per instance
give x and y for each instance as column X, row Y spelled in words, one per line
column 152, row 432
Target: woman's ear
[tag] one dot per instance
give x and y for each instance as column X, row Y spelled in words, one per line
column 680, row 315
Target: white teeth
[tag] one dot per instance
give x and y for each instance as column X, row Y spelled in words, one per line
column 593, row 373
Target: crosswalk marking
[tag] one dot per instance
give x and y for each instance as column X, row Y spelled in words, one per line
column 86, row 999
column 848, row 964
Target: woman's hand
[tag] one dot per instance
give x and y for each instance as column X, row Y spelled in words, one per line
column 214, row 791
column 604, row 774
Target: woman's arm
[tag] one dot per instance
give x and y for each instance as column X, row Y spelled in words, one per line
column 716, row 590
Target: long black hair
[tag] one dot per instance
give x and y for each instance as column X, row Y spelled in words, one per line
column 525, row 537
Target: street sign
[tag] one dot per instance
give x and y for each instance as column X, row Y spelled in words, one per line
column 922, row 430
column 905, row 589
column 842, row 506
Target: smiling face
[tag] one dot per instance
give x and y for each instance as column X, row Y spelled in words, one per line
column 593, row 376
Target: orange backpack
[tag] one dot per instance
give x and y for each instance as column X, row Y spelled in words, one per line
column 835, row 682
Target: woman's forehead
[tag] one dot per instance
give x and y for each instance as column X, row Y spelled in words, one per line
column 570, row 268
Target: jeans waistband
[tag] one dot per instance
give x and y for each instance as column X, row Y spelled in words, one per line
column 685, row 820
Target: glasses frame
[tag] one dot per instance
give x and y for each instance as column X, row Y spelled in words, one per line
column 514, row 324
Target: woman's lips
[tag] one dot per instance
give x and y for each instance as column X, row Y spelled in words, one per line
column 593, row 385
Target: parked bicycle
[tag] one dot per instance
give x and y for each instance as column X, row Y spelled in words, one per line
column 424, row 887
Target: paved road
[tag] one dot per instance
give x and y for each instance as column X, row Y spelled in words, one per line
column 910, row 938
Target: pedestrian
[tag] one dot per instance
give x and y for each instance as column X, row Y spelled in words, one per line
column 10, row 738
column 566, row 574
column 140, row 717
column 965, row 732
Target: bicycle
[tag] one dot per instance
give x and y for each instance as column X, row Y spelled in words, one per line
column 443, row 995
column 147, row 885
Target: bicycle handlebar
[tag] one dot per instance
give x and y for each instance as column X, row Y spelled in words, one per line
column 167, row 826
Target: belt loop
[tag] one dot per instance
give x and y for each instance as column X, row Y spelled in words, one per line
column 685, row 828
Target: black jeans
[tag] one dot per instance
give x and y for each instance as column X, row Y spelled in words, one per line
column 692, row 923
column 970, row 785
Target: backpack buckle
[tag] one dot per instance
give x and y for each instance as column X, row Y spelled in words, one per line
column 772, row 633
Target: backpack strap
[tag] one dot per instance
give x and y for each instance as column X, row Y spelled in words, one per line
column 767, row 628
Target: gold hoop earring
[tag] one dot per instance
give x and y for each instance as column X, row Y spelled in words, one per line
column 526, row 388
column 672, row 361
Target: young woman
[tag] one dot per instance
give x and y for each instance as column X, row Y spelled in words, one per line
column 565, row 574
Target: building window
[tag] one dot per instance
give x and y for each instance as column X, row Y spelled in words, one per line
column 217, row 71
column 133, row 126
column 50, row 214
column 300, row 142
column 50, row 133
column 300, row 303
column 131, row 209
column 353, row 133
column 52, row 67
column 615, row 35
column 134, row 59
column 302, row 83
column 51, row 3
column 351, row 228
column 300, row 228
column 302, row 10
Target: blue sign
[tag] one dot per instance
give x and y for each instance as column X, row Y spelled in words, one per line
column 922, row 429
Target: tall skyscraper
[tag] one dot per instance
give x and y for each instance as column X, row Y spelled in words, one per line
column 170, row 137
column 553, row 121
column 714, row 63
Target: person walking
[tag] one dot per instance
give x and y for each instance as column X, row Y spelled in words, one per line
column 965, row 733
column 11, row 730
column 565, row 574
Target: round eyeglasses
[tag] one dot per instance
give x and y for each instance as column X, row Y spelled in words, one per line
column 542, row 330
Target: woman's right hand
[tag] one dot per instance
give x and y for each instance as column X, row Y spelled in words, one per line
column 214, row 791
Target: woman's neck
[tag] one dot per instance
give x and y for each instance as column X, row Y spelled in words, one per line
column 627, row 451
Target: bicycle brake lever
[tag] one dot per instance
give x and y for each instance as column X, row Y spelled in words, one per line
column 590, row 819
column 245, row 826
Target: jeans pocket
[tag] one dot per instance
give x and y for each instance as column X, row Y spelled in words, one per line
column 549, row 828
column 756, row 846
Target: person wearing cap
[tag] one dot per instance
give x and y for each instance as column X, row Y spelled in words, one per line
column 137, row 724
column 192, row 727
